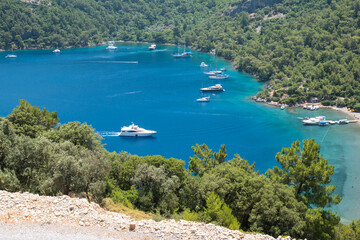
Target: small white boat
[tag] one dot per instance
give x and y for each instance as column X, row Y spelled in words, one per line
column 135, row 131
column 111, row 47
column 203, row 99
column 223, row 69
column 282, row 107
column 343, row 121
column 213, row 73
column 215, row 88
column 152, row 47
column 11, row 56
column 313, row 107
column 203, row 65
column 219, row 76
column 56, row 51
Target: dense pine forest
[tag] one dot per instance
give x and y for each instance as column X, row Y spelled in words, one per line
column 307, row 50
column 39, row 155
column 303, row 49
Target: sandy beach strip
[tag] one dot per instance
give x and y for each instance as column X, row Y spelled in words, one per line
column 352, row 115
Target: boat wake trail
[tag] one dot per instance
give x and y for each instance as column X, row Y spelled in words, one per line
column 109, row 134
column 159, row 50
column 129, row 62
column 125, row 93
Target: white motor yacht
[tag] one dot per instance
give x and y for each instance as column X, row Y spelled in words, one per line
column 111, row 47
column 314, row 121
column 203, row 99
column 214, row 88
column 56, row 51
column 135, row 131
column 152, row 47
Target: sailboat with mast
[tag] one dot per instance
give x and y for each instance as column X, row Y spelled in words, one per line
column 183, row 54
column 213, row 72
column 217, row 74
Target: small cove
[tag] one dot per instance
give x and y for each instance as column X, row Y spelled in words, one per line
column 156, row 91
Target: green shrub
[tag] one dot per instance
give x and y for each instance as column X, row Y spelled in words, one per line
column 341, row 103
column 326, row 102
column 190, row 216
column 357, row 107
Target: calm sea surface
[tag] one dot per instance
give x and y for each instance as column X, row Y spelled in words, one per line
column 156, row 91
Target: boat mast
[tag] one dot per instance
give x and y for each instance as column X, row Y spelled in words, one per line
column 215, row 60
column 184, row 44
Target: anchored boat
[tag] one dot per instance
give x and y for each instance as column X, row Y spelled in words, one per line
column 219, row 76
column 203, row 65
column 203, row 99
column 314, row 121
column 215, row 88
column 183, row 54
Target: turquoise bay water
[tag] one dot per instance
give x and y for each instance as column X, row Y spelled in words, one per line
column 109, row 90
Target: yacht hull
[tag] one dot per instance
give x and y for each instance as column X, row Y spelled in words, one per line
column 218, row 76
column 137, row 134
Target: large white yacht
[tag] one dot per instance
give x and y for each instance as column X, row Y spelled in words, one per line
column 314, row 121
column 214, row 88
column 135, row 131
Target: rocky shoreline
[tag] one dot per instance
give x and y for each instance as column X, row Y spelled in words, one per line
column 31, row 211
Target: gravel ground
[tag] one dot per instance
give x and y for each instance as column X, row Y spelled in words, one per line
column 26, row 216
column 36, row 231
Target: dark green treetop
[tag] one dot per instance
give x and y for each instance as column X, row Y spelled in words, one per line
column 30, row 120
column 307, row 172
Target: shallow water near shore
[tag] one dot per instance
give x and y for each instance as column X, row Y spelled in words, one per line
column 156, row 91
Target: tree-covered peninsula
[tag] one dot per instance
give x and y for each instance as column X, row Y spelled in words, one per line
column 305, row 50
column 39, row 155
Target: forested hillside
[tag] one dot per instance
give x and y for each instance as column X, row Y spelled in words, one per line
column 38, row 155
column 306, row 49
column 57, row 23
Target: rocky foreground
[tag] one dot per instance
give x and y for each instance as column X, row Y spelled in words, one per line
column 77, row 219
